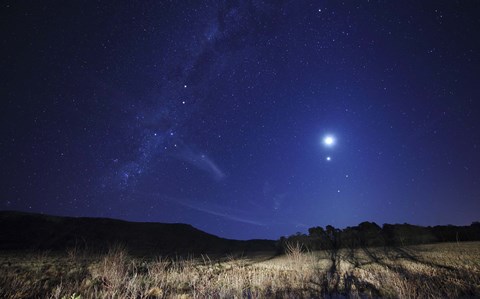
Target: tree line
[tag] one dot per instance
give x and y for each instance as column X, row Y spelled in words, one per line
column 370, row 234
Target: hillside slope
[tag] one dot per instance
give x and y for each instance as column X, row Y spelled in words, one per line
column 25, row 231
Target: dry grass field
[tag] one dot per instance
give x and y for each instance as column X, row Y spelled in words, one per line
column 447, row 270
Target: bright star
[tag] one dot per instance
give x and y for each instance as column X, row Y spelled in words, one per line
column 329, row 140
column 328, row 158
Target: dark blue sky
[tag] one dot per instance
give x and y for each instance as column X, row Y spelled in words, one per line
column 213, row 113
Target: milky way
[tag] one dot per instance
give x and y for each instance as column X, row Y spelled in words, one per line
column 218, row 114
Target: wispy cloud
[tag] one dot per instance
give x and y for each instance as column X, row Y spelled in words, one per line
column 202, row 162
column 208, row 208
column 224, row 214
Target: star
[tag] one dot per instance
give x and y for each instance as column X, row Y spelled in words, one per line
column 328, row 158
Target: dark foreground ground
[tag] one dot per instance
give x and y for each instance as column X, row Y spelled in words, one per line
column 445, row 270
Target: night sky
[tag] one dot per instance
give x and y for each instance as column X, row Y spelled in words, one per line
column 246, row 119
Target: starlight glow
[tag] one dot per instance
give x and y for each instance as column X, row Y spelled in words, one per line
column 329, row 140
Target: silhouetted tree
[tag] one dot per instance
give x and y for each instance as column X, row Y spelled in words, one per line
column 368, row 234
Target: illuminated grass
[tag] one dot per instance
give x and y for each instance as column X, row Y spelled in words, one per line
column 440, row 270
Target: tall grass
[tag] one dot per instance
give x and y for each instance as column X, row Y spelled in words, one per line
column 445, row 270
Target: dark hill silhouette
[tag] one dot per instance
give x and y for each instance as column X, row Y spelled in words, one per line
column 25, row 231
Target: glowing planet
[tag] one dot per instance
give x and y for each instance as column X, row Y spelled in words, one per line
column 329, row 140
